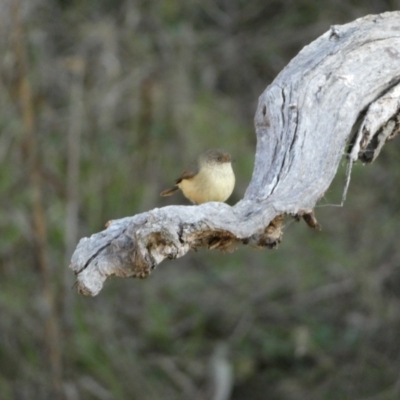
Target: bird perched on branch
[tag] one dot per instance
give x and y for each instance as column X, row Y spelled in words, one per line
column 211, row 178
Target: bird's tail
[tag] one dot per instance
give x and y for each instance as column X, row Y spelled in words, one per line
column 169, row 192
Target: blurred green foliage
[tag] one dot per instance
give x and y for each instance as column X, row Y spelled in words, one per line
column 149, row 85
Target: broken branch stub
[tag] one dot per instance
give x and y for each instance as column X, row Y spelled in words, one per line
column 347, row 77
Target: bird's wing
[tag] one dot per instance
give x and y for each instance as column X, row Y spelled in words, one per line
column 186, row 174
column 189, row 173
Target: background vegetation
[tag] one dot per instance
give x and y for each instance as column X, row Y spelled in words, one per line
column 101, row 104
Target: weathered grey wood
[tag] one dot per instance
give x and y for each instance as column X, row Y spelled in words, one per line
column 304, row 121
column 381, row 123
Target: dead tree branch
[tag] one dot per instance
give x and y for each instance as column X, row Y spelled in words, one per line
column 347, row 78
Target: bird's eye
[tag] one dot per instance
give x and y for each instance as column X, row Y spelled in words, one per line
column 219, row 158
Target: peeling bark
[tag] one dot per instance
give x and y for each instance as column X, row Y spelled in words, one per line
column 346, row 78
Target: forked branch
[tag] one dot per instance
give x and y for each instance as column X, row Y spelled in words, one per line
column 347, row 78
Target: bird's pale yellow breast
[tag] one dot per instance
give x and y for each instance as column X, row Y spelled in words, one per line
column 214, row 182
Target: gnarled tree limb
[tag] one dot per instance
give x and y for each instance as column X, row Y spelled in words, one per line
column 348, row 77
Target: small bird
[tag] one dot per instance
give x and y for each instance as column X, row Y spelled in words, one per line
column 211, row 179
